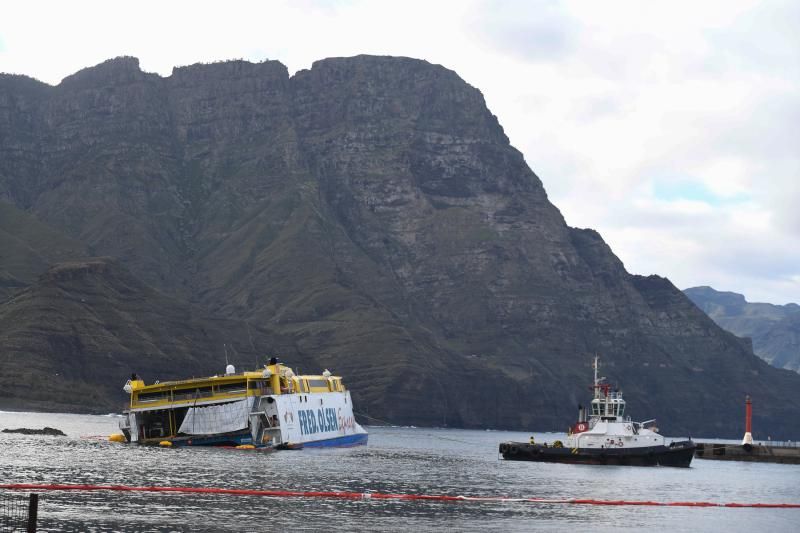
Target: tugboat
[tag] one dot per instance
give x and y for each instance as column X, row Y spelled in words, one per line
column 607, row 437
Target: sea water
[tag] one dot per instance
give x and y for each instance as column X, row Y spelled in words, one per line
column 396, row 460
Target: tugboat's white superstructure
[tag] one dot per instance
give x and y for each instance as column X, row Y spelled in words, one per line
column 605, row 436
column 607, row 426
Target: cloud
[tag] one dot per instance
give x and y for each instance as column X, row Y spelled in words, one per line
column 532, row 31
column 764, row 41
column 667, row 143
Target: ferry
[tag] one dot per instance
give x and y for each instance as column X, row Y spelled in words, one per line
column 271, row 408
column 606, row 437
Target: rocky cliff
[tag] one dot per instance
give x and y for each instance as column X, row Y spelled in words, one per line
column 370, row 214
column 71, row 338
column 774, row 329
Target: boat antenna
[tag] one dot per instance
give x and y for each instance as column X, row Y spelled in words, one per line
column 235, row 352
column 225, row 348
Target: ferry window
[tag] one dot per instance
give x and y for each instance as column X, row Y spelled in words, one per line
column 257, row 384
column 318, row 383
column 152, row 396
column 231, row 388
column 188, row 394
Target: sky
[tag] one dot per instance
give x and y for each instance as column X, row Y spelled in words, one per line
column 671, row 127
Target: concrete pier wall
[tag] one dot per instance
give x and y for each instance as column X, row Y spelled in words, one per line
column 756, row 452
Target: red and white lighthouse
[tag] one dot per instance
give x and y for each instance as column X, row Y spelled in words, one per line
column 748, row 420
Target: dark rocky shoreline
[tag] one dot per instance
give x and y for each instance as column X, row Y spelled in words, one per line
column 44, row 431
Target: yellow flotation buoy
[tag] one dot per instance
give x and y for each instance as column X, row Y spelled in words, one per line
column 165, row 443
column 117, row 437
column 245, row 447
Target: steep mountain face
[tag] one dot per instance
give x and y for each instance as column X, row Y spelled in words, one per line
column 774, row 329
column 72, row 338
column 370, row 214
column 28, row 247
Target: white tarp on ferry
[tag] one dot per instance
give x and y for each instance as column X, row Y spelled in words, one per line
column 214, row 419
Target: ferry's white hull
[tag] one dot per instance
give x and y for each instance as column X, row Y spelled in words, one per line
column 322, row 418
column 272, row 421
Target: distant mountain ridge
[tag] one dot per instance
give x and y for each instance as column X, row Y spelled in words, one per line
column 367, row 215
column 774, row 329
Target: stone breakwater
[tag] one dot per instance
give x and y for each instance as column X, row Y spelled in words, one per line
column 788, row 453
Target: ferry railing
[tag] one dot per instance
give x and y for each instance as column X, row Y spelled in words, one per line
column 18, row 512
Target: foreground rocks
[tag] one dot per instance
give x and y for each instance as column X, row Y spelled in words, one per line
column 44, row 431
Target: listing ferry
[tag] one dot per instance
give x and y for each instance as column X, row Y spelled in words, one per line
column 271, row 408
column 605, row 437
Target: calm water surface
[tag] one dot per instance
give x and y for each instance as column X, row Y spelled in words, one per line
column 398, row 460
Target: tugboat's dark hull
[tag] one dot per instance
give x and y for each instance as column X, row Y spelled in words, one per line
column 677, row 454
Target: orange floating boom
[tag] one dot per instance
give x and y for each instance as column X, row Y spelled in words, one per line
column 383, row 496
